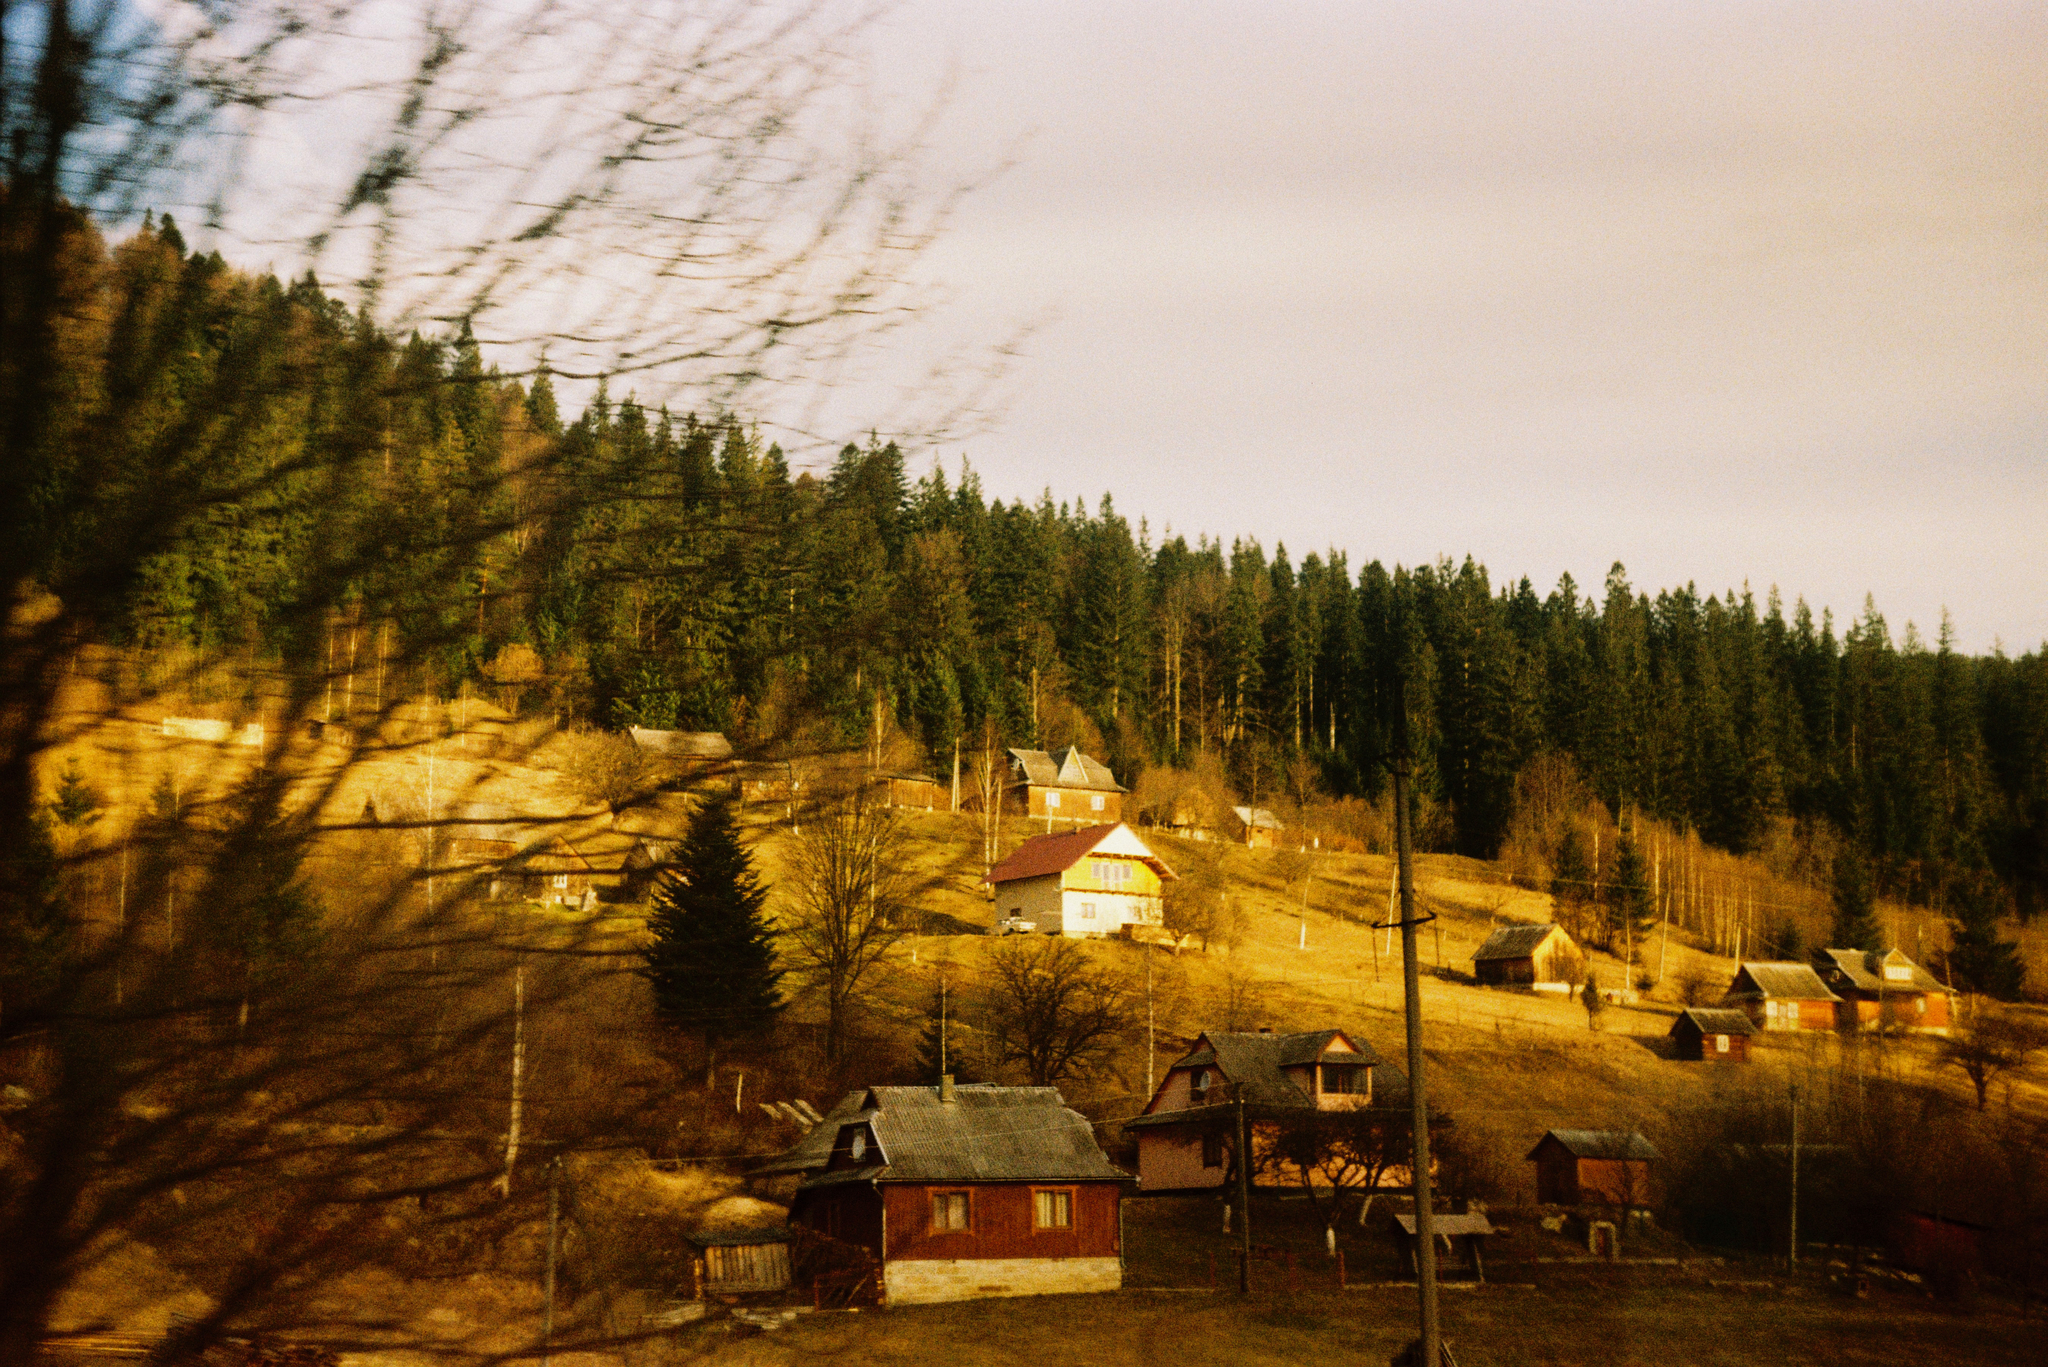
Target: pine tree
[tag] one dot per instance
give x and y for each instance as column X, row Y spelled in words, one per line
column 957, row 1053
column 1855, row 917
column 711, row 961
column 1978, row 959
column 1632, row 895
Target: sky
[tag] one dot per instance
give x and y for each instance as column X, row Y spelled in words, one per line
column 1733, row 293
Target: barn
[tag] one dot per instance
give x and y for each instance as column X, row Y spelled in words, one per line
column 1592, row 1167
column 1712, row 1035
column 1526, row 956
column 915, row 792
column 962, row 1192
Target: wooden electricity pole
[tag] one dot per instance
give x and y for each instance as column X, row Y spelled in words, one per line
column 1244, row 1198
column 1411, row 976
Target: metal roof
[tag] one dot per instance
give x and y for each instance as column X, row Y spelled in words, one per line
column 1784, row 981
column 1043, row 855
column 1258, row 817
column 1709, row 1020
column 1864, row 970
column 1447, row 1226
column 1515, row 942
column 1600, row 1144
column 1068, row 769
column 682, row 744
column 1255, row 1061
column 985, row 1134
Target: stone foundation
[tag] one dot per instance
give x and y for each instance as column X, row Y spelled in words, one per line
column 924, row 1281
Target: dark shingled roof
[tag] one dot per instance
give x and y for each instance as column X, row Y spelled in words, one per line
column 1715, row 1021
column 1068, row 769
column 1786, row 981
column 1600, row 1144
column 985, row 1134
column 1256, row 1060
column 1513, row 942
column 1864, row 970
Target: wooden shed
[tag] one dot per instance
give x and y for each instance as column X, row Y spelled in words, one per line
column 1459, row 1234
column 915, row 792
column 739, row 1260
column 1254, row 826
column 1592, row 1167
column 1712, row 1035
column 1525, row 956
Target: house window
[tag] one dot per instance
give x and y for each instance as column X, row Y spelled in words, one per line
column 1920, row 1006
column 1095, row 802
column 1720, row 1044
column 1898, row 973
column 1087, row 911
column 1212, row 1150
column 1052, row 801
column 1199, row 1090
column 949, row 1211
column 1343, row 1079
column 1052, row 1209
column 561, row 880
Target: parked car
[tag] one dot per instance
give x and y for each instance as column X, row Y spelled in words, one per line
column 1013, row 925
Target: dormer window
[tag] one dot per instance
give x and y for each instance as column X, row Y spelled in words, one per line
column 1343, row 1079
column 859, row 1147
column 1199, row 1089
column 1897, row 973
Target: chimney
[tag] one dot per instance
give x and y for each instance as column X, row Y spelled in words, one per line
column 946, row 1088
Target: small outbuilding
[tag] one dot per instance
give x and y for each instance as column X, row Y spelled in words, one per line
column 1712, row 1035
column 1782, row 996
column 1592, row 1167
column 1255, row 827
column 1459, row 1234
column 1526, row 956
column 742, row 1260
column 914, row 792
column 690, row 751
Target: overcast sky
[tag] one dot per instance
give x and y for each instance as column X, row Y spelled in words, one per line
column 1728, row 292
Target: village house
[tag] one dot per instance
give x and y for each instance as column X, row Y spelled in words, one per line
column 1255, row 827
column 1182, row 1144
column 961, row 1192
column 1883, row 991
column 1782, row 996
column 1069, row 787
column 692, row 752
column 1542, row 957
column 765, row 781
column 1712, row 1035
column 554, row 873
column 913, row 792
column 1592, row 1167
column 1089, row 883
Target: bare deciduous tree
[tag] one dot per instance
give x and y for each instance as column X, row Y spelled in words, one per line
column 609, row 769
column 1988, row 1042
column 848, row 888
column 1053, row 1011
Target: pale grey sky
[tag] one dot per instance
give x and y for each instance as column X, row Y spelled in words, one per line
column 1726, row 291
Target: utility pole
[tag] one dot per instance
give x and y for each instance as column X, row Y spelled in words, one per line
column 1244, row 1198
column 1794, row 1250
column 1411, row 975
column 547, row 1321
column 1151, row 1049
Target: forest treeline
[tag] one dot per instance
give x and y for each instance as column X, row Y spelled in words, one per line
column 628, row 566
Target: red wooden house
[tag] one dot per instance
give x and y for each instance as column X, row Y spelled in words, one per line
column 1782, row 996
column 1712, row 1035
column 1067, row 787
column 1592, row 1167
column 960, row 1192
column 1883, row 991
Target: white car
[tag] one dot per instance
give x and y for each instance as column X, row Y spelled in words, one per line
column 1013, row 925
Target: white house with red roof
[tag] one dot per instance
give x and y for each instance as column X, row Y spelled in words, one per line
column 1097, row 881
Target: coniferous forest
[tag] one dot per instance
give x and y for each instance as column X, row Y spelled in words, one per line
column 634, row 566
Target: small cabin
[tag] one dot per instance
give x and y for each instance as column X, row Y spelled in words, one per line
column 737, row 1261
column 1526, row 956
column 1592, row 1167
column 1255, row 827
column 692, row 752
column 1712, row 1035
column 911, row 792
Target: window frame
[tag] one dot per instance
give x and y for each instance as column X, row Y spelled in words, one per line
column 965, row 1195
column 1212, row 1150
column 1096, row 803
column 1349, row 1072
column 1052, row 801
column 1069, row 1194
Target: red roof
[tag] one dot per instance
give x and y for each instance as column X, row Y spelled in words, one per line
column 1044, row 854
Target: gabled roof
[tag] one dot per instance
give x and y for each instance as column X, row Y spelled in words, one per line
column 1710, row 1020
column 1864, row 970
column 558, row 856
column 1515, row 942
column 1781, row 981
column 985, row 1134
column 1256, row 1062
column 1600, row 1144
column 682, row 744
column 1068, row 769
column 1258, row 817
column 1049, row 854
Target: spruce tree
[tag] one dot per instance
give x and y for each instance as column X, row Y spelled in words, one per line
column 1978, row 959
column 1855, row 914
column 945, row 1046
column 711, row 961
column 1632, row 895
